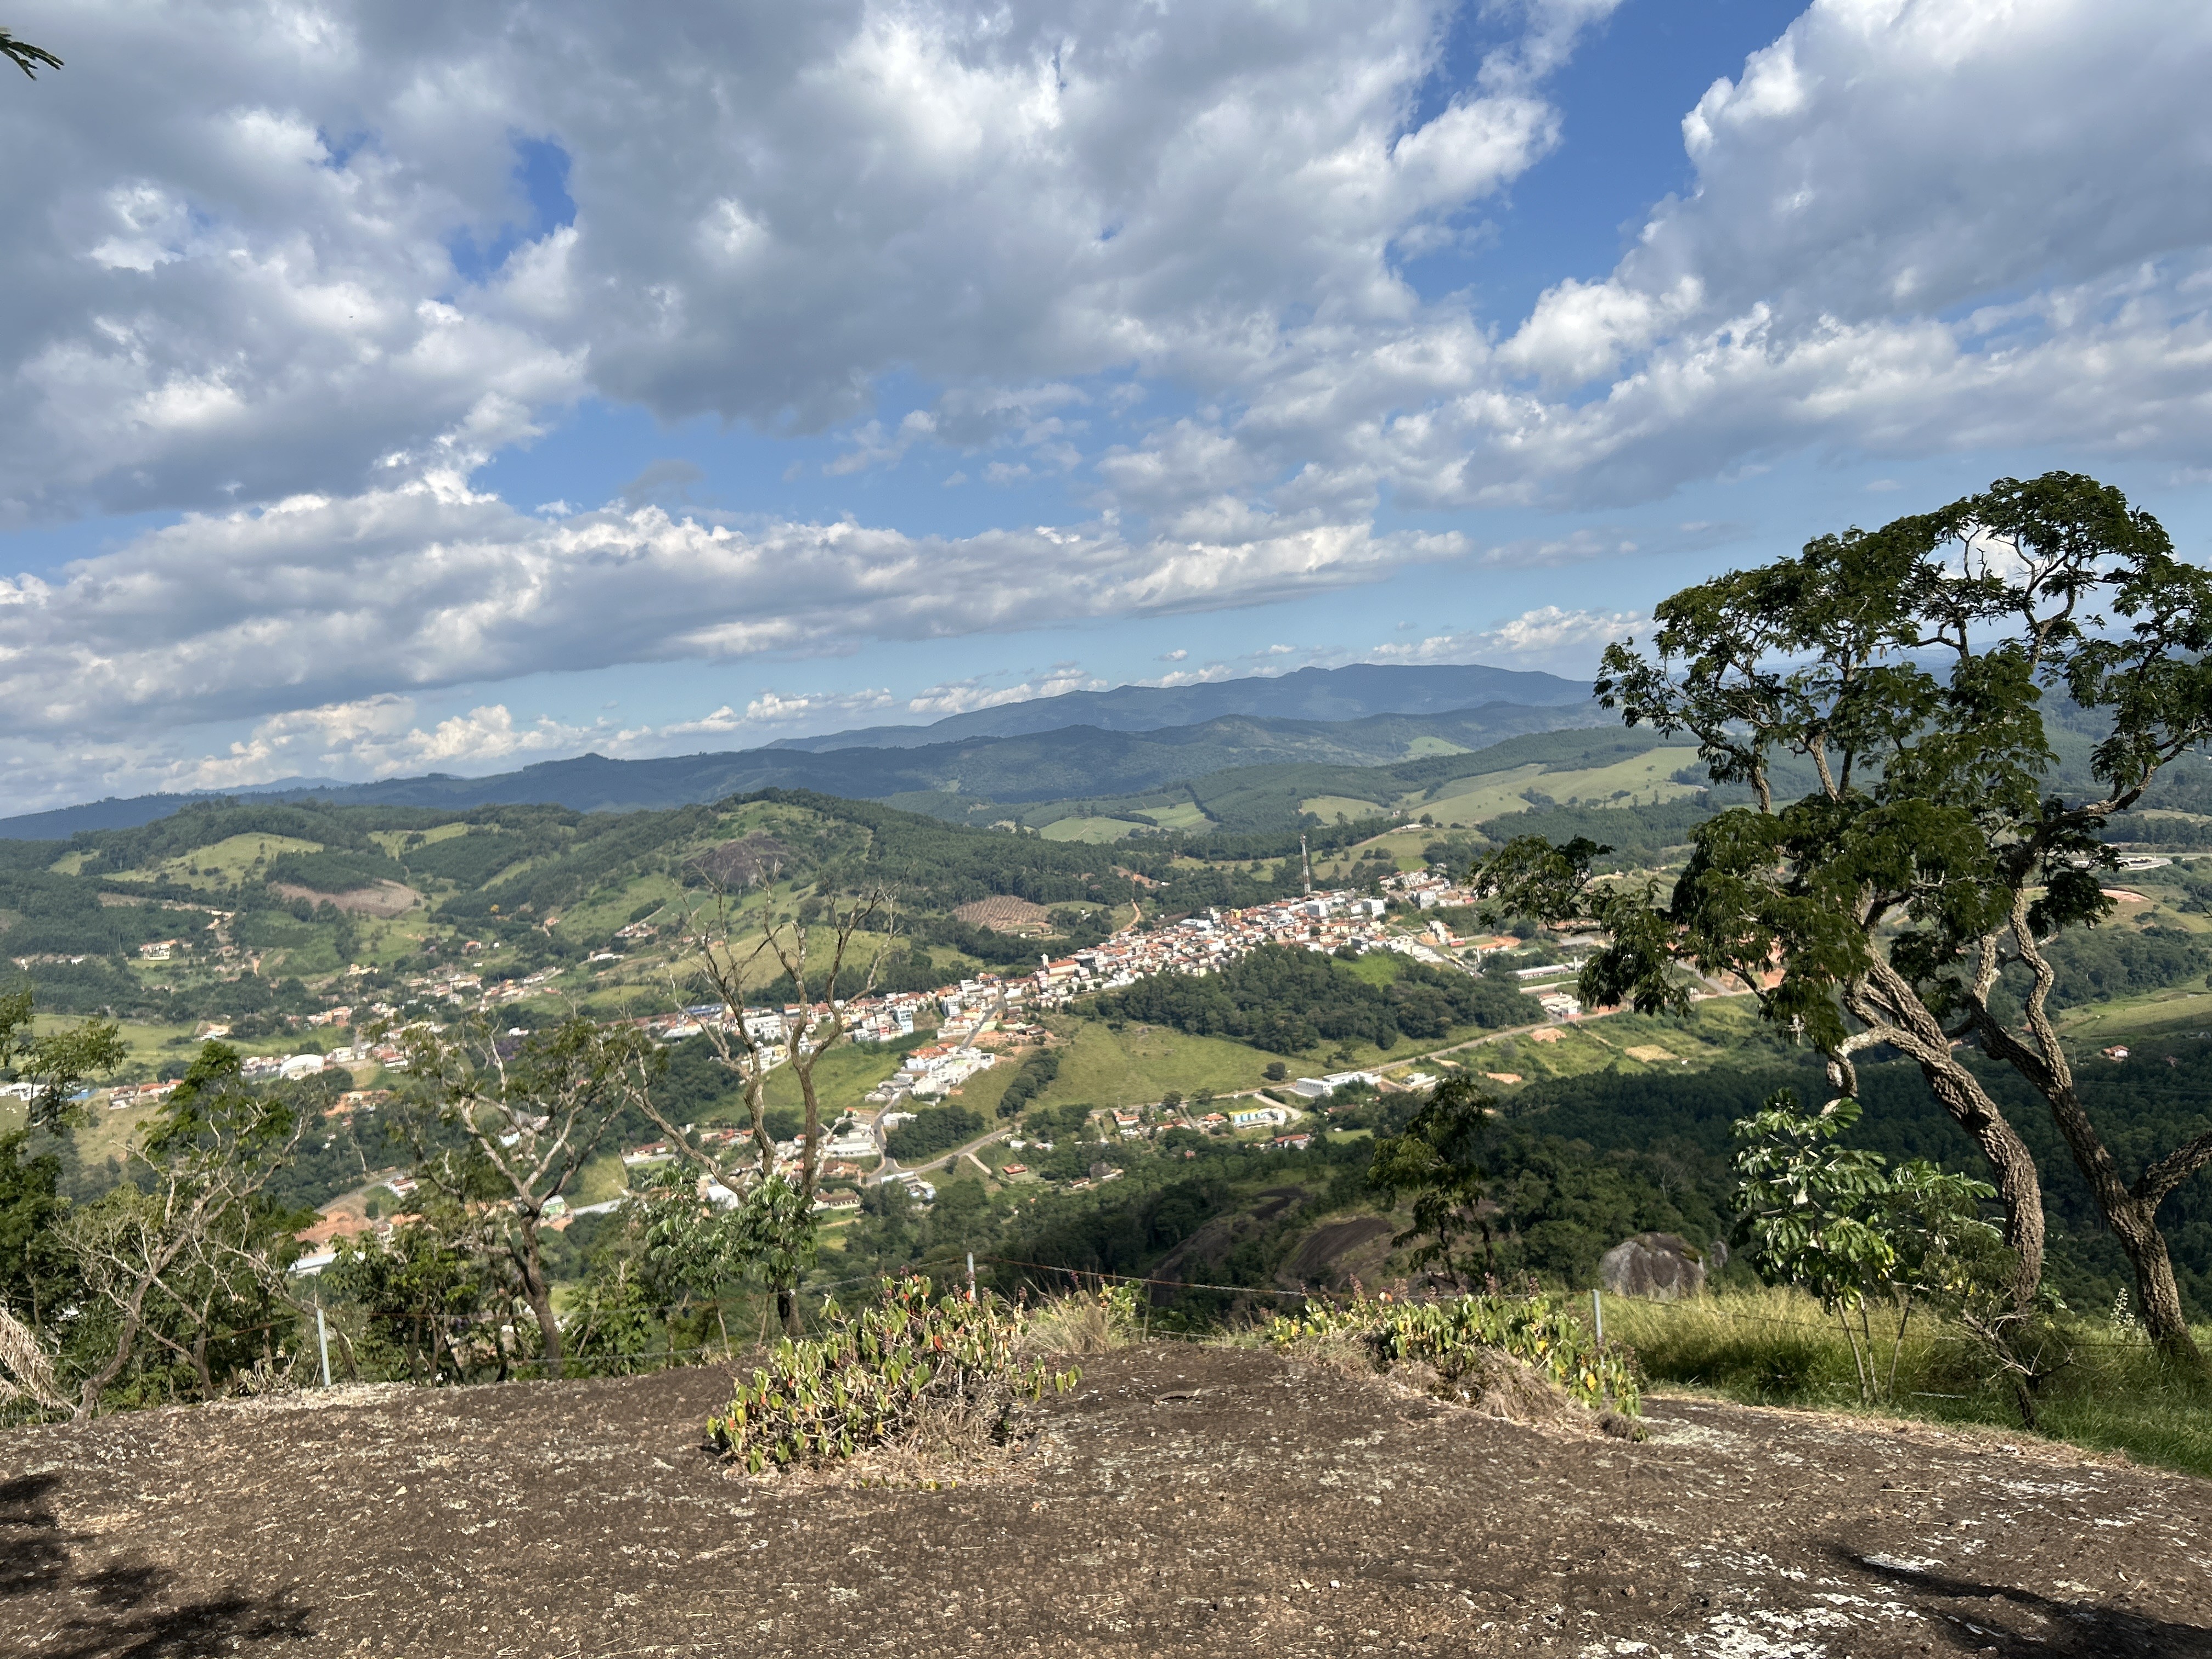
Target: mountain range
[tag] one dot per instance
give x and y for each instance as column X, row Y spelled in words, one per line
column 1084, row 744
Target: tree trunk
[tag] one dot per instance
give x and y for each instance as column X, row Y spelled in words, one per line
column 787, row 1311
column 2019, row 1190
column 539, row 1295
column 2134, row 1221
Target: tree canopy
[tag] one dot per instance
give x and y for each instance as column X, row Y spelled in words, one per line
column 1908, row 899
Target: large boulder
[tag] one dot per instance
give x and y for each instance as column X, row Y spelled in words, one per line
column 1656, row 1265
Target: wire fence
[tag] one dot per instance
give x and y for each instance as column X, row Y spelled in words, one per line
column 497, row 1336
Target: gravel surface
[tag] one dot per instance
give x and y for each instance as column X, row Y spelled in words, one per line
column 1182, row 1500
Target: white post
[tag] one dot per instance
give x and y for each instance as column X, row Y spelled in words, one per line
column 971, row 1275
column 323, row 1341
column 1597, row 1315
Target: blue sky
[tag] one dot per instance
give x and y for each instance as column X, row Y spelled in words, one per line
column 389, row 397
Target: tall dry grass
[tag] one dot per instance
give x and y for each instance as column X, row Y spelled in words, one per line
column 2111, row 1390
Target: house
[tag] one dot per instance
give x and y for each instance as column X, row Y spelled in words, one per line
column 842, row 1201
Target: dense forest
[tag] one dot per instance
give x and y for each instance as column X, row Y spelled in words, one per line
column 1289, row 1000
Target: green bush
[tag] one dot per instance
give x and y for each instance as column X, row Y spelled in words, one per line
column 870, row 1379
column 1453, row 1337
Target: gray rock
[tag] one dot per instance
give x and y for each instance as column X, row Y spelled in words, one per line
column 1656, row 1265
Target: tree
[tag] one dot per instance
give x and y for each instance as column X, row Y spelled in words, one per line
column 1436, row 1158
column 1849, row 1227
column 1908, row 898
column 192, row 1261
column 56, row 1064
column 737, row 957
column 501, row 1125
column 25, row 56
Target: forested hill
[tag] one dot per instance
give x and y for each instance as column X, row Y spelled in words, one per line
column 1076, row 761
column 1354, row 692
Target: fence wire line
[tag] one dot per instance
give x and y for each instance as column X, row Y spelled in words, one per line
column 719, row 1306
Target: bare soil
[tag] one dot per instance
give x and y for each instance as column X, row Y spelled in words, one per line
column 1004, row 914
column 384, row 899
column 1182, row 1500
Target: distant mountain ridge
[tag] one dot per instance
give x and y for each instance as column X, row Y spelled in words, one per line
column 1044, row 763
column 1351, row 693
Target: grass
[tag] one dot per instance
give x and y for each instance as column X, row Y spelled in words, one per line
column 1090, row 828
column 1329, row 808
column 1138, row 1064
column 1642, row 779
column 1185, row 815
column 225, row 863
column 1775, row 1348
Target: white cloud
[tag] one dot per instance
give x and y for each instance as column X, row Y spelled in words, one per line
column 960, row 697
column 777, row 709
column 317, row 602
column 1548, row 637
column 243, row 280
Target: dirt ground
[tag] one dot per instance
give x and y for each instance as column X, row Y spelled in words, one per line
column 1182, row 1500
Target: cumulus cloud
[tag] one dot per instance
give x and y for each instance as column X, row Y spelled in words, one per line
column 278, row 266
column 960, row 697
column 317, row 601
column 1548, row 637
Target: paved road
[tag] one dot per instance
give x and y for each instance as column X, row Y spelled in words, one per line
column 892, row 1169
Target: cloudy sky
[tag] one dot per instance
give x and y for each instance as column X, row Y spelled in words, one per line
column 397, row 387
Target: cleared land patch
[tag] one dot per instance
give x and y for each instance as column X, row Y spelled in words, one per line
column 1004, row 914
column 385, row 898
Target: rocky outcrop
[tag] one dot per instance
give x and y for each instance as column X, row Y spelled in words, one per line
column 1658, row 1265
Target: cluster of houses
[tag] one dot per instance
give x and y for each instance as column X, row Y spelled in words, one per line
column 1203, row 945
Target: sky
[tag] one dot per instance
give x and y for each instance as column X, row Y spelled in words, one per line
column 396, row 387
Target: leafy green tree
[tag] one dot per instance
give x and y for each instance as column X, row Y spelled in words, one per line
column 1436, row 1160
column 1908, row 900
column 1849, row 1228
column 55, row 1065
column 435, row 1295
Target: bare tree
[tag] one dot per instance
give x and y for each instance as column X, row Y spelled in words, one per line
column 829, row 962
column 173, row 1260
column 507, row 1121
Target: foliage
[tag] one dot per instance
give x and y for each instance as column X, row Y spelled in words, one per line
column 1775, row 1347
column 1031, row 1079
column 870, row 1376
column 1848, row 1226
column 1451, row 1335
column 1287, row 1000
column 187, row 1271
column 1436, row 1161
column 56, row 1064
column 934, row 1129
column 436, row 1296
column 1907, row 900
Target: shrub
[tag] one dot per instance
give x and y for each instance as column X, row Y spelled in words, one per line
column 870, row 1379
column 1454, row 1337
column 1094, row 1321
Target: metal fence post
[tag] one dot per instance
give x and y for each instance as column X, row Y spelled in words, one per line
column 971, row 1275
column 323, row 1341
column 1597, row 1316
